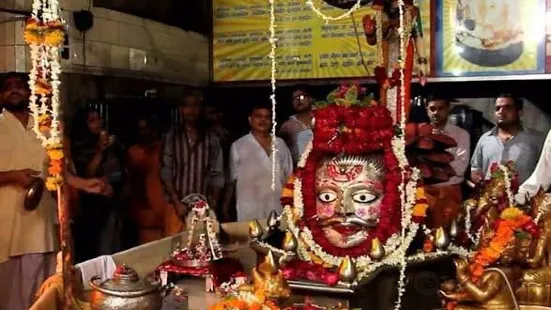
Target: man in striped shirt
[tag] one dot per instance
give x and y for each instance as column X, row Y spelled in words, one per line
column 192, row 157
column 301, row 121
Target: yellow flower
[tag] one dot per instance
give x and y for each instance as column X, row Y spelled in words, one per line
column 56, row 154
column 53, row 183
column 54, row 37
column 511, row 213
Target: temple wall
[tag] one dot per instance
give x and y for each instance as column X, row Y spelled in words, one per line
column 117, row 45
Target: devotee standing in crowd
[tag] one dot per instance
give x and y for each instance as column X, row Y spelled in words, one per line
column 98, row 227
column 445, row 198
column 147, row 203
column 301, row 121
column 27, row 238
column 251, row 169
column 541, row 177
column 192, row 160
column 508, row 141
column 215, row 119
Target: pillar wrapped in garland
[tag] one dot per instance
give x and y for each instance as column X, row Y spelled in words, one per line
column 396, row 30
column 45, row 34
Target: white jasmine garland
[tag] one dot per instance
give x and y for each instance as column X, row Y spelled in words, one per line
column 401, row 283
column 379, row 37
column 327, row 19
column 460, row 251
column 507, row 177
column 468, row 225
column 305, row 154
column 45, row 60
column 273, row 47
column 297, row 193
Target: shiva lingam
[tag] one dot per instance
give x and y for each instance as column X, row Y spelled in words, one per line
column 202, row 246
column 343, row 221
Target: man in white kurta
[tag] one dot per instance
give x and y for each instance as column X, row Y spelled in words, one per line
column 27, row 238
column 251, row 169
column 541, row 177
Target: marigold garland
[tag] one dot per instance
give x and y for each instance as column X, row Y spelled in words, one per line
column 38, row 32
column 510, row 222
column 246, row 301
column 45, row 33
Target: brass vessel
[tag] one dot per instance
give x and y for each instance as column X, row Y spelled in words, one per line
column 126, row 291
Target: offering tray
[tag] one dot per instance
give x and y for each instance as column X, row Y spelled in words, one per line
column 181, row 259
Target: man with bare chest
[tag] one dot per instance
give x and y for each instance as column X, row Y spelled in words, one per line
column 508, row 141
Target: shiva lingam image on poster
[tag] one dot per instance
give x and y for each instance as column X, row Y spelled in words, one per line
column 489, row 33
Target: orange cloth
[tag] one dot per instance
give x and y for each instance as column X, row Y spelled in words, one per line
column 50, row 295
column 154, row 216
column 444, row 204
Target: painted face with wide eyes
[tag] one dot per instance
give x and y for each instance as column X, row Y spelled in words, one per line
column 349, row 193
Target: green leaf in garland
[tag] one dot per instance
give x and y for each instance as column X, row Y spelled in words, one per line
column 351, row 94
column 366, row 101
column 341, row 101
column 321, row 104
column 332, row 96
column 521, row 234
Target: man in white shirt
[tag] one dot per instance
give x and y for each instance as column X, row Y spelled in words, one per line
column 541, row 177
column 27, row 238
column 445, row 198
column 251, row 169
column 296, row 124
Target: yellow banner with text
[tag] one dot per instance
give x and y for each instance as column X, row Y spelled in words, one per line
column 307, row 46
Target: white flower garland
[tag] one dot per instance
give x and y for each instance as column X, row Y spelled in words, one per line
column 327, row 19
column 379, row 37
column 45, row 58
column 273, row 47
column 44, row 83
column 468, row 226
column 507, row 177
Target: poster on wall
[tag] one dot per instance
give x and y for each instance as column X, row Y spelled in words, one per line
column 307, row 46
column 490, row 37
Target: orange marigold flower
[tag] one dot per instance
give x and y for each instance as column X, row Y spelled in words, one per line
column 55, row 154
column 420, row 209
column 255, row 306
column 54, row 37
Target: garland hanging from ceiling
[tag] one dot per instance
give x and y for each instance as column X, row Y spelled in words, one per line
column 45, row 34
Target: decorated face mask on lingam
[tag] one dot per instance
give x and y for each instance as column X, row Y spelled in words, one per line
column 349, row 193
column 349, row 181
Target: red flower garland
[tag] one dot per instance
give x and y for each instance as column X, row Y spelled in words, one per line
column 298, row 269
column 354, row 130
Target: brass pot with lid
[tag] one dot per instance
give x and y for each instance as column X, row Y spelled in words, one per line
column 126, row 291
